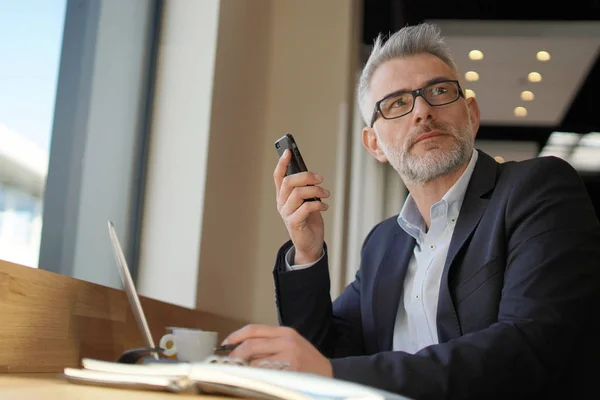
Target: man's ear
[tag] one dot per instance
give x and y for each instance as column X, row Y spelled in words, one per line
column 369, row 140
column 474, row 113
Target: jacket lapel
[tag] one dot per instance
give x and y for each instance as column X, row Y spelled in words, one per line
column 473, row 207
column 389, row 284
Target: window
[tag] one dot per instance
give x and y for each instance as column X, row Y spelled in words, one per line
column 32, row 33
column 100, row 120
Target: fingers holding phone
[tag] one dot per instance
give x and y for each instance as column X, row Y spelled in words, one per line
column 295, row 193
column 297, row 189
column 281, row 171
column 293, row 190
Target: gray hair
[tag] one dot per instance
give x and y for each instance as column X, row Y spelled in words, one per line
column 421, row 38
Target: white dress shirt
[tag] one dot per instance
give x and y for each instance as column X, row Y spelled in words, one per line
column 415, row 326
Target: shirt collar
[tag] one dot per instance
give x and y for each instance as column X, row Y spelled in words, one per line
column 455, row 195
column 410, row 219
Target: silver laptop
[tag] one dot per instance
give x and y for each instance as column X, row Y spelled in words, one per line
column 129, row 287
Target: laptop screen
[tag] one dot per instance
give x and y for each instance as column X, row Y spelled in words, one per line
column 129, row 287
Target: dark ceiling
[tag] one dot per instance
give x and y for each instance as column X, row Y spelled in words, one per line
column 389, row 15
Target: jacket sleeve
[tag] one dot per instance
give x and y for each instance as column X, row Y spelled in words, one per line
column 304, row 303
column 549, row 302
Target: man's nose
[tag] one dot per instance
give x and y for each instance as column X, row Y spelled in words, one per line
column 422, row 111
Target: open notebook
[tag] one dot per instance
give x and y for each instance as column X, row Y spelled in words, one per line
column 219, row 379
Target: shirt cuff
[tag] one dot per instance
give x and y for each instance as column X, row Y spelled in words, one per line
column 289, row 257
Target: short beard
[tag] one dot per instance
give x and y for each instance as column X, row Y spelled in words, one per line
column 418, row 170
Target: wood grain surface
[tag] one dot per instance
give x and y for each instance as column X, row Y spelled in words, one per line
column 50, row 321
column 49, row 386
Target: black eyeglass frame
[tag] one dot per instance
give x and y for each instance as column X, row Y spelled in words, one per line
column 415, row 93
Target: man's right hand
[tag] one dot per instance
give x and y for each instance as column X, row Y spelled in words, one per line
column 302, row 219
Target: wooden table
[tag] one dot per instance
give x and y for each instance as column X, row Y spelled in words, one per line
column 52, row 386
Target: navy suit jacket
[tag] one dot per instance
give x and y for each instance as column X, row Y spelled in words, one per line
column 519, row 301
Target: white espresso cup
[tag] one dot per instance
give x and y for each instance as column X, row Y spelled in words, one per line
column 189, row 345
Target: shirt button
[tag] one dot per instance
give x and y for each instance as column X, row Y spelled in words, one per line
column 453, row 220
column 417, row 297
column 432, row 246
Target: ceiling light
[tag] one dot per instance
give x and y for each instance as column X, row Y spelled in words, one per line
column 520, row 111
column 475, row 55
column 543, row 55
column 534, row 77
column 526, row 95
column 585, row 159
column 564, row 138
column 469, row 93
column 472, row 76
column 591, row 139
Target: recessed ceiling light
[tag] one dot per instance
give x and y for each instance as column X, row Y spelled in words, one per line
column 475, row 55
column 534, row 77
column 472, row 76
column 469, row 93
column 526, row 95
column 520, row 112
column 543, row 55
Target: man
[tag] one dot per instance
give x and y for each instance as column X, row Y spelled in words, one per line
column 487, row 283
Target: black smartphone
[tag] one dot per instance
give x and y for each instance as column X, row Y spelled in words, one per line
column 287, row 142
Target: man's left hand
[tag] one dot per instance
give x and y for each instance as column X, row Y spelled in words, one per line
column 276, row 344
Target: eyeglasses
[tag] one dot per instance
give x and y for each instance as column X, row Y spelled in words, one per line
column 399, row 104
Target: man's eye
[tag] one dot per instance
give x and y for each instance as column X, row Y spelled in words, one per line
column 437, row 91
column 401, row 102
